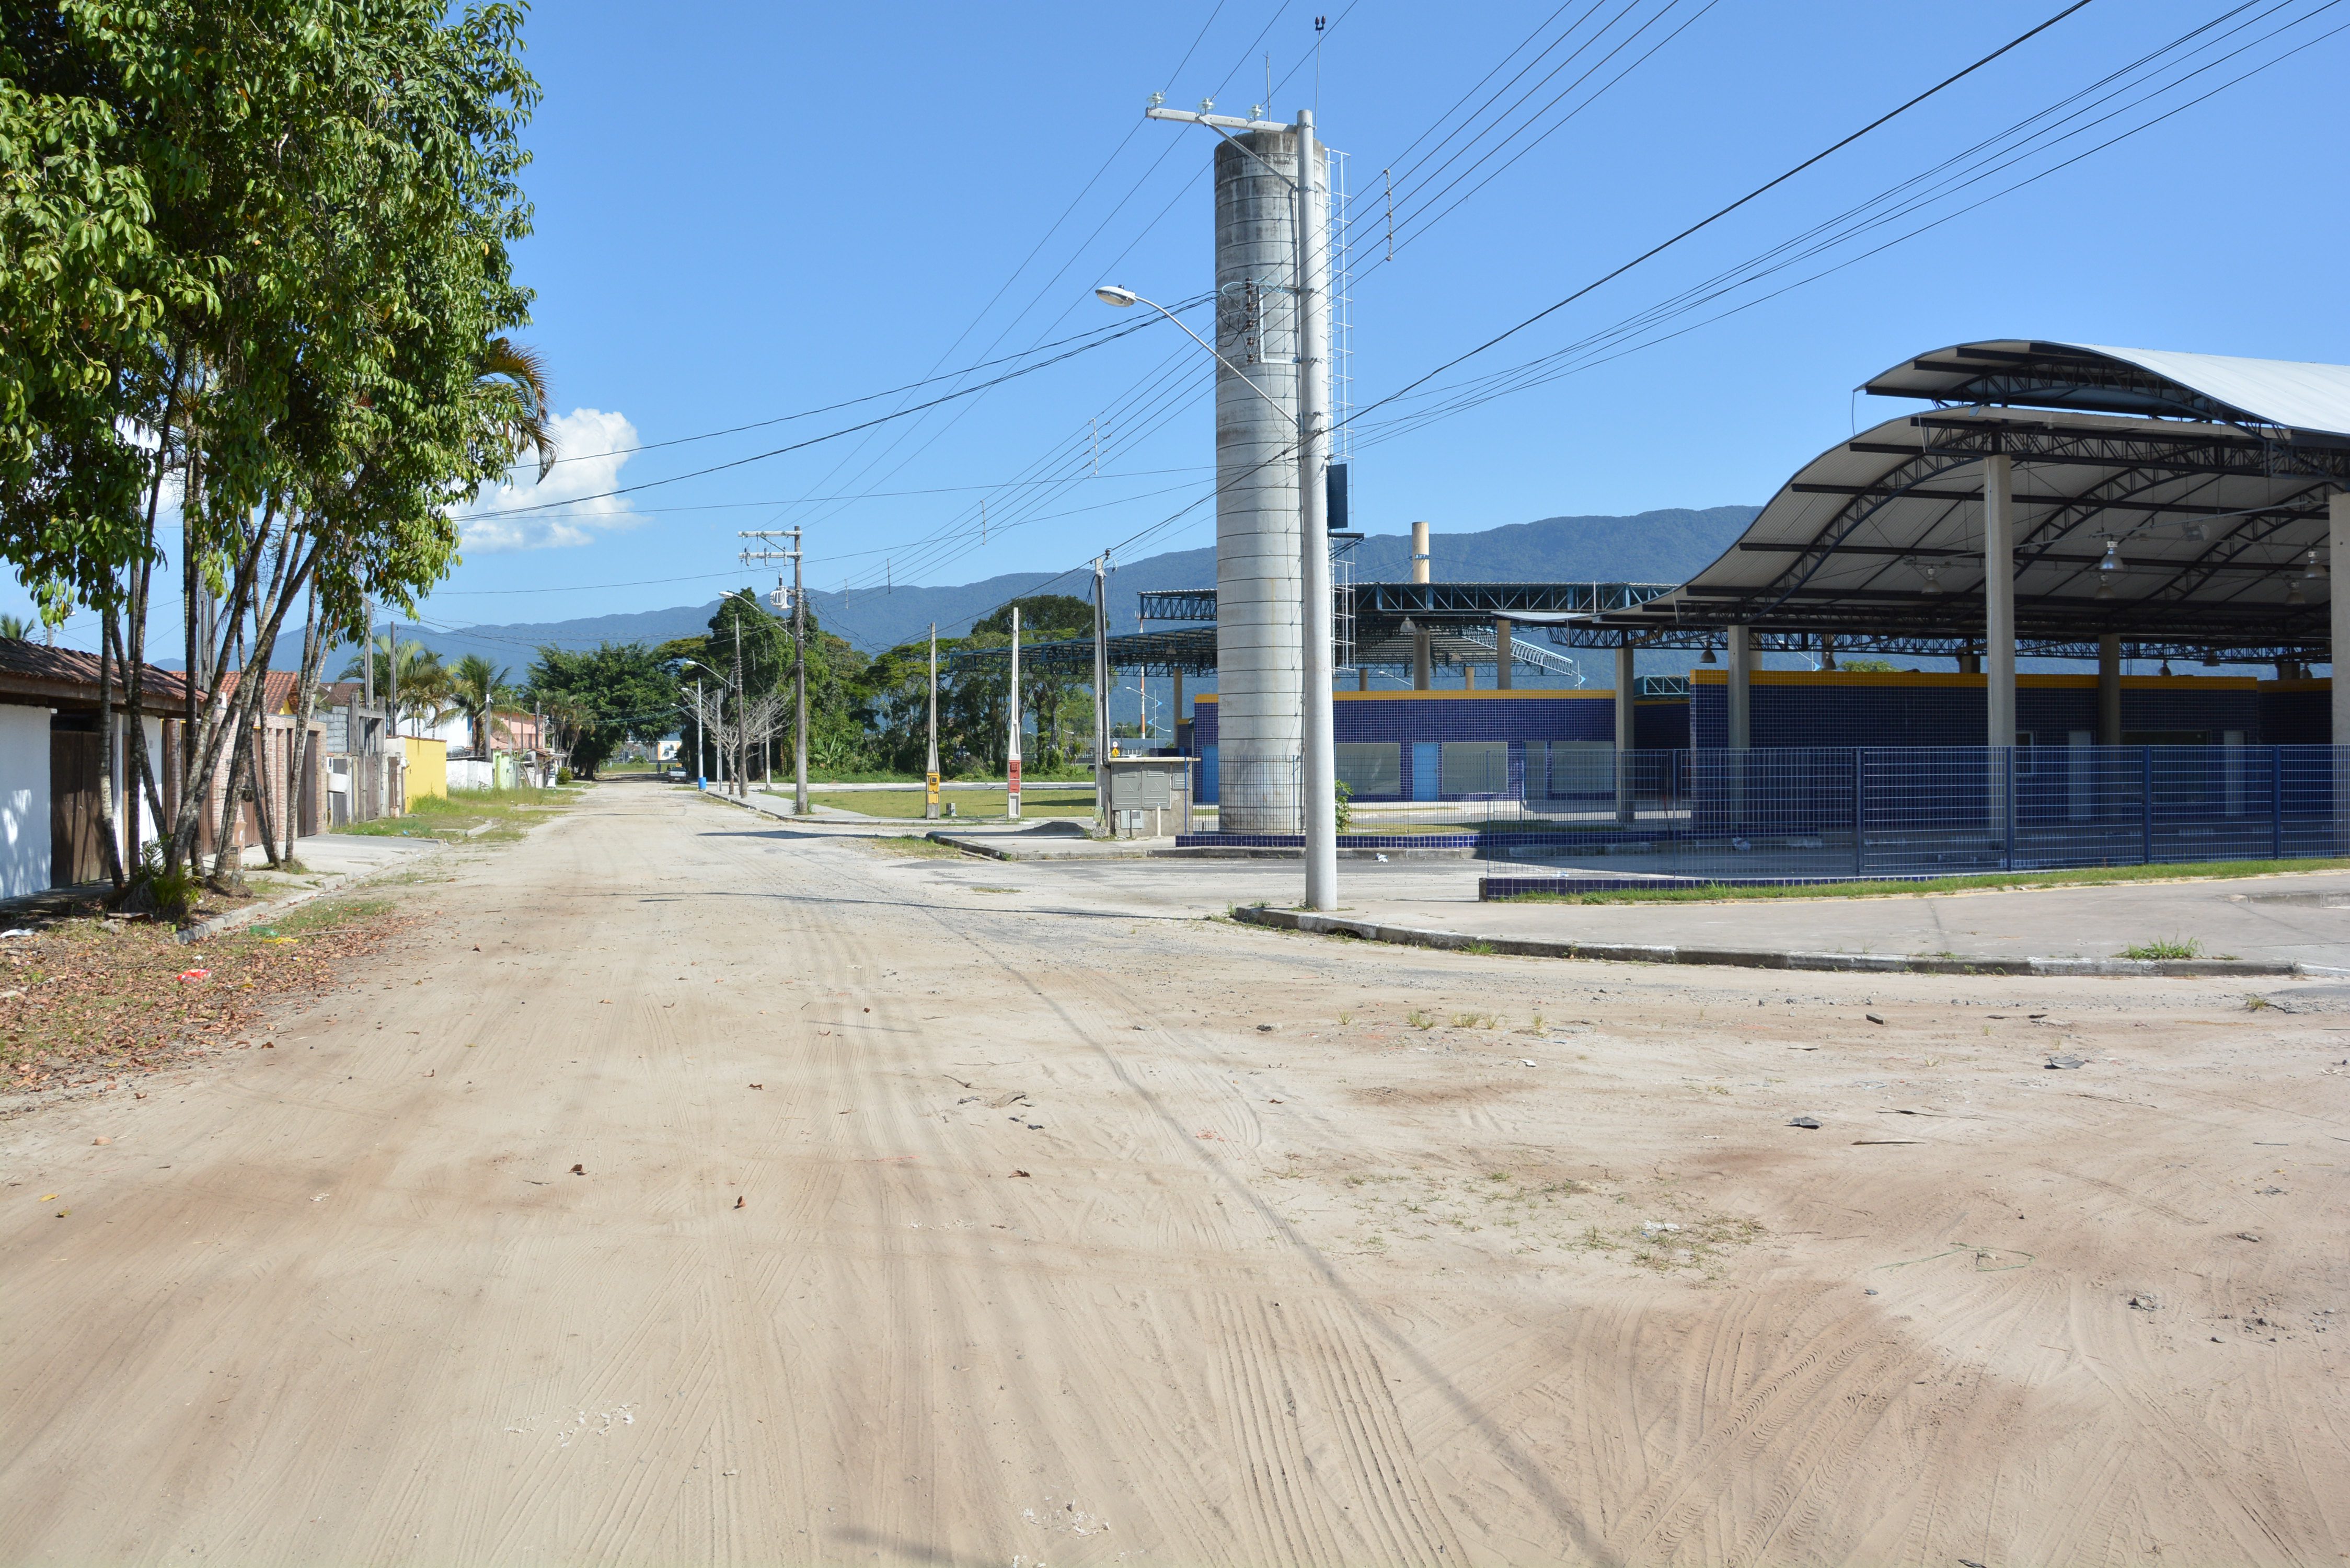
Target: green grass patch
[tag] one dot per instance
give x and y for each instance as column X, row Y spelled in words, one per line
column 1028, row 775
column 913, row 844
column 2165, row 948
column 505, row 813
column 2084, row 876
column 971, row 804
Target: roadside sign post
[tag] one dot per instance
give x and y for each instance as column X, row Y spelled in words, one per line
column 1012, row 766
column 931, row 774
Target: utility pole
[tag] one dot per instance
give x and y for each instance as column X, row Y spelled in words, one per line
column 1101, row 697
column 1318, row 816
column 741, row 717
column 1011, row 767
column 391, row 674
column 1321, row 781
column 767, row 552
column 931, row 774
column 701, row 780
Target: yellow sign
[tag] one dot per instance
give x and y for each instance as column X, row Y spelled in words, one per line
column 932, row 787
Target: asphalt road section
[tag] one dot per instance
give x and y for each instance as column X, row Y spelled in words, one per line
column 698, row 1188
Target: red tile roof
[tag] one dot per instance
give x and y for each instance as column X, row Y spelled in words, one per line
column 34, row 671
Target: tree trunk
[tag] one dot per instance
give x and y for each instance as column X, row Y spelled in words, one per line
column 107, row 750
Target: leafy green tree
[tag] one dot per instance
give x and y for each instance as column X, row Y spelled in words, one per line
column 614, row 692
column 480, row 692
column 273, row 236
column 1057, row 704
column 423, row 682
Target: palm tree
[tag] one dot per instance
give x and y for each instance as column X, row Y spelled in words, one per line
column 479, row 690
column 16, row 628
column 517, row 406
column 423, row 682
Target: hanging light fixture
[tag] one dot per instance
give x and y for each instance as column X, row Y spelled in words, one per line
column 2166, row 668
column 1933, row 583
column 2113, row 561
column 2312, row 572
column 2293, row 594
column 1706, row 657
column 2194, row 532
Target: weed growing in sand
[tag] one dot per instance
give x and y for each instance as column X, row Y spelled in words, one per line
column 1535, row 1025
column 1474, row 1021
column 1344, row 1019
column 2165, row 948
column 1420, row 1020
column 2251, row 1004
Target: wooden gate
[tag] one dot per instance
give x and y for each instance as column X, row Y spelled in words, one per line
column 76, row 852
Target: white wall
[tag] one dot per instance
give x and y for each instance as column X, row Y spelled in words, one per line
column 469, row 772
column 150, row 831
column 24, row 800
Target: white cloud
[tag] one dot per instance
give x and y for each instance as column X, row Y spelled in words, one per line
column 569, row 506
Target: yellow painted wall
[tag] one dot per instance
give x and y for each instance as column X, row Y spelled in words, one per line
column 1716, row 676
column 427, row 767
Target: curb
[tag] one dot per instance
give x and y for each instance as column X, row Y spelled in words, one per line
column 220, row 925
column 1761, row 958
column 1000, row 852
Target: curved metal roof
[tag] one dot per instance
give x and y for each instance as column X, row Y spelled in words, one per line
column 1882, row 534
column 2285, row 394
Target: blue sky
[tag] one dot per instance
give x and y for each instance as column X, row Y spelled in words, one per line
column 745, row 213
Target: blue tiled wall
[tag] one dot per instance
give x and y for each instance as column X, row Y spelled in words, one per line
column 1443, row 716
column 2297, row 713
column 1660, row 724
column 1855, row 710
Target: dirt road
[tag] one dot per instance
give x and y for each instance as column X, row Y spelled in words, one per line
column 699, row 1193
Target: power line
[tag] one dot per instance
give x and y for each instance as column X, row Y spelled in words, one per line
column 1952, row 175
column 1719, row 214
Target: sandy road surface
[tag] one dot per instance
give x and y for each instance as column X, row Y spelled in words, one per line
column 1350, row 1291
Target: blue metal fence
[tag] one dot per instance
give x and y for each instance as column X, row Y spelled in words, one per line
column 1914, row 810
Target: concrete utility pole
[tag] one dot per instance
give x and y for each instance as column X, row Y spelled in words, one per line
column 931, row 774
column 1249, row 628
column 1101, row 697
column 1012, row 764
column 1321, row 783
column 767, row 552
column 742, row 716
column 391, row 674
column 367, row 664
column 701, row 779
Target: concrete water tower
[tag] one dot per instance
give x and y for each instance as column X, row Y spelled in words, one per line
column 1259, row 718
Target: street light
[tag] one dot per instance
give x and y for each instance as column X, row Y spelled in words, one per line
column 1111, row 294
column 1318, row 809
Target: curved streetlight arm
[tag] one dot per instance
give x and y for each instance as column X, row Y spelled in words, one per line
column 697, row 664
column 1202, row 342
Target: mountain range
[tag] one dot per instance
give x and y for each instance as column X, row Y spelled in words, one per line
column 1662, row 546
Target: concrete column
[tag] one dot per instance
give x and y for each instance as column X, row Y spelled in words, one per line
column 2110, row 689
column 1421, row 658
column 1738, row 667
column 1419, row 552
column 1502, row 681
column 2337, row 547
column 1318, row 812
column 1362, row 677
column 1627, row 689
column 1999, row 600
column 1467, row 677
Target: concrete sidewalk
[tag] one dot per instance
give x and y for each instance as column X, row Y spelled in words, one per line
column 331, row 863
column 2300, row 918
